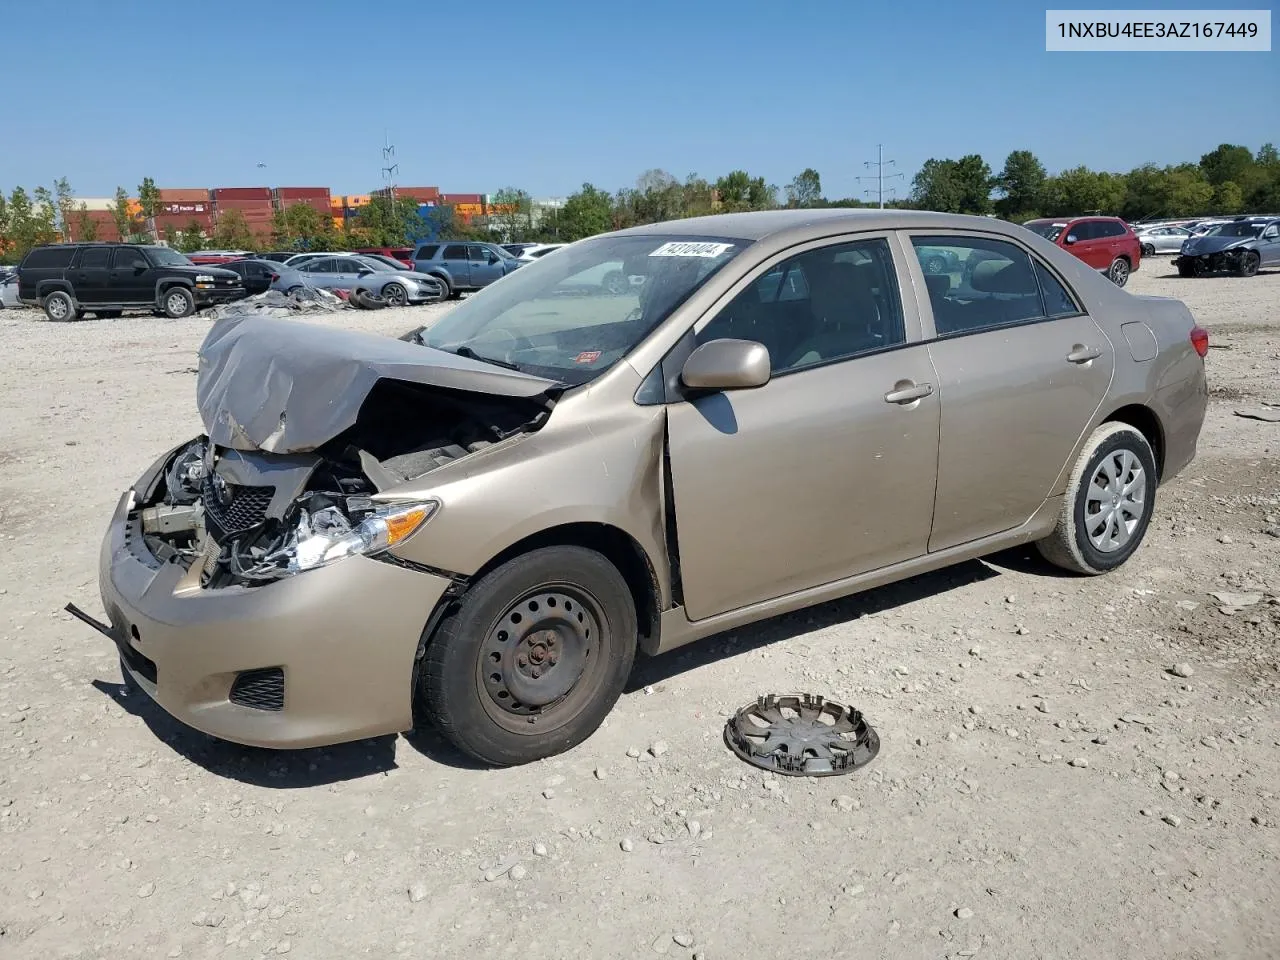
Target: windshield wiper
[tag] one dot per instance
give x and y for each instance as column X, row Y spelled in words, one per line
column 470, row 354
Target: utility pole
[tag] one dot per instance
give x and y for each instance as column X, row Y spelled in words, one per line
column 879, row 163
column 389, row 168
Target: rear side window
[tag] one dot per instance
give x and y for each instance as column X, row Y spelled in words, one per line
column 1057, row 301
column 455, row 251
column 427, row 252
column 94, row 258
column 46, row 257
column 995, row 286
column 1111, row 228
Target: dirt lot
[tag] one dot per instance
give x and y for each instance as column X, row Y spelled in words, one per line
column 1046, row 787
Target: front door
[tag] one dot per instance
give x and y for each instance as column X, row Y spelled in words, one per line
column 92, row 275
column 829, row 469
column 130, row 282
column 1269, row 247
column 1089, row 246
column 1021, row 372
column 485, row 265
column 455, row 259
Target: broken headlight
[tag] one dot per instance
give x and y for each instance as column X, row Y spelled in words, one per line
column 328, row 535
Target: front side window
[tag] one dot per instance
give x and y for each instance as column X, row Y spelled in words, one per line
column 997, row 287
column 573, row 316
column 94, row 258
column 822, row 305
column 479, row 254
column 161, row 256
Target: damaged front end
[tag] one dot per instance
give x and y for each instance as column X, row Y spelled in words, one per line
column 298, row 467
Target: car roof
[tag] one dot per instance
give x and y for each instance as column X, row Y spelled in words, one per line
column 819, row 223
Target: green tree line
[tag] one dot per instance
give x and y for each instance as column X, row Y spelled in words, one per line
column 1229, row 179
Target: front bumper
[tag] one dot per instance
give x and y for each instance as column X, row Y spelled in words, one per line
column 345, row 637
column 208, row 295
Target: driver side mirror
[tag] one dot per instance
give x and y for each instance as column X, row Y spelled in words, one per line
column 139, row 265
column 493, row 257
column 1071, row 238
column 365, row 273
column 727, row 365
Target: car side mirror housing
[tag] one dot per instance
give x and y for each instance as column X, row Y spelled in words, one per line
column 493, row 258
column 139, row 265
column 364, row 273
column 1071, row 238
column 727, row 365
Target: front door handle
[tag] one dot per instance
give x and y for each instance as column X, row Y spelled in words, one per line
column 1082, row 354
column 905, row 392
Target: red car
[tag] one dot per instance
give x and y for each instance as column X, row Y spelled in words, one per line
column 403, row 254
column 1105, row 243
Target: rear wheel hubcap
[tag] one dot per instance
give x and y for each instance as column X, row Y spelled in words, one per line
column 1117, row 501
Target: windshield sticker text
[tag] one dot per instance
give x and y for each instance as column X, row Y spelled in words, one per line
column 587, row 356
column 691, row 249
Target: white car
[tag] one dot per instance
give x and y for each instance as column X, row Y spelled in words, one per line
column 9, row 289
column 538, row 251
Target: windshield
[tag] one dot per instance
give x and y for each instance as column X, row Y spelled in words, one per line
column 164, row 257
column 1046, row 228
column 572, row 316
column 1235, row 230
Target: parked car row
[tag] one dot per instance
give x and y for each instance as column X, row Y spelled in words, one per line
column 1240, row 246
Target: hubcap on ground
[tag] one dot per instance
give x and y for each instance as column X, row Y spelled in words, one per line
column 1117, row 500
column 538, row 649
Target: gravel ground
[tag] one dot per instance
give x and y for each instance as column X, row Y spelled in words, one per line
column 1070, row 767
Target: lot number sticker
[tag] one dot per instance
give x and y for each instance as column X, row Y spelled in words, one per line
column 691, row 249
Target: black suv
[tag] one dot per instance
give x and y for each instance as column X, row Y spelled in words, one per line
column 71, row 279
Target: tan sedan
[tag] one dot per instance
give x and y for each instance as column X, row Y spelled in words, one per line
column 480, row 524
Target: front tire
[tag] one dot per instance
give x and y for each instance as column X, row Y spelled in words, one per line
column 1118, row 272
column 533, row 658
column 1108, row 504
column 446, row 291
column 59, row 307
column 396, row 295
column 1249, row 263
column 177, row 302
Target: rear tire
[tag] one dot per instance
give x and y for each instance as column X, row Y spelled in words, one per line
column 533, row 657
column 59, row 307
column 1118, row 272
column 1148, row 250
column 177, row 302
column 1108, row 504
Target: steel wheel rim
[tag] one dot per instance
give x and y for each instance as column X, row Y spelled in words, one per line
column 395, row 294
column 1116, row 501
column 58, row 307
column 540, row 658
column 176, row 303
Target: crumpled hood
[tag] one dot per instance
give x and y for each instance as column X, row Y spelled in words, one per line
column 284, row 386
column 1201, row 245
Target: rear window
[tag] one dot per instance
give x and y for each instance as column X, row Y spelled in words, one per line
column 427, row 252
column 49, row 257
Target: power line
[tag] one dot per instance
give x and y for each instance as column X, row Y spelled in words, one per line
column 880, row 163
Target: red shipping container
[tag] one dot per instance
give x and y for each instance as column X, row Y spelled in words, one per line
column 242, row 193
column 196, row 207
column 419, row 193
column 184, row 195
column 320, row 204
column 302, row 193
column 462, row 198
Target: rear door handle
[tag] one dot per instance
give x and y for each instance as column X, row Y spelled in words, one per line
column 1081, row 354
column 908, row 392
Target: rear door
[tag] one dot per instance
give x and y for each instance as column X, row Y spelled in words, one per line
column 130, row 283
column 91, row 275
column 455, row 260
column 322, row 272
column 1022, row 369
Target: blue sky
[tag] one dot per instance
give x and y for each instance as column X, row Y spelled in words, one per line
column 548, row 95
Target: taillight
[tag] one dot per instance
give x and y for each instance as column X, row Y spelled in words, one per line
column 1200, row 339
column 275, row 277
